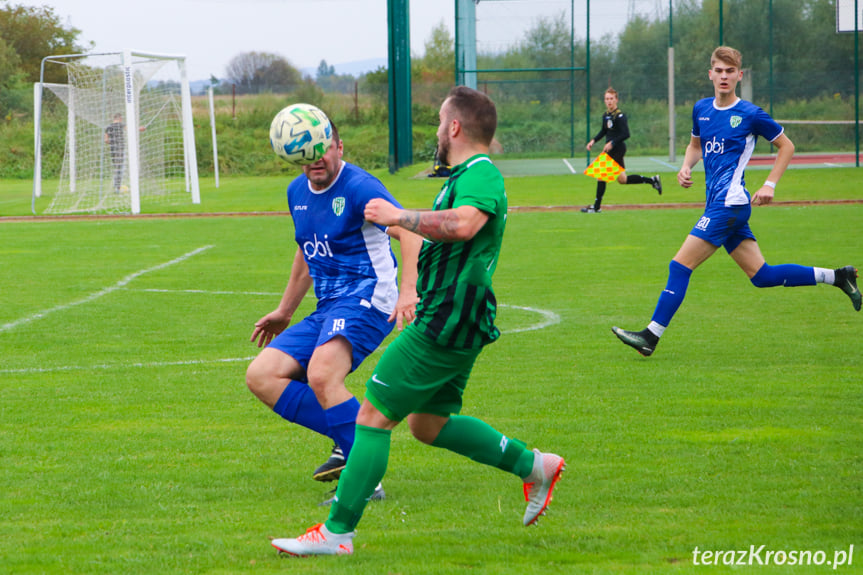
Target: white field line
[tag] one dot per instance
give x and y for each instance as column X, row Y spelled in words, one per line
column 124, row 365
column 208, row 292
column 568, row 165
column 664, row 163
column 548, row 318
column 96, row 295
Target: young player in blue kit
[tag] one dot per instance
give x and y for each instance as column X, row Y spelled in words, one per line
column 301, row 373
column 724, row 131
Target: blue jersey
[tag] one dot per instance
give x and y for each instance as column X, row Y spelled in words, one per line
column 728, row 137
column 347, row 256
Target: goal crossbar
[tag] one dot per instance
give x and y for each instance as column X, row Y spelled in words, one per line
column 144, row 157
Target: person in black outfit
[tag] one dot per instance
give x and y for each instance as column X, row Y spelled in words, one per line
column 616, row 131
column 439, row 170
column 115, row 137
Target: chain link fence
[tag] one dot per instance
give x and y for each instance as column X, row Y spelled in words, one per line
column 548, row 62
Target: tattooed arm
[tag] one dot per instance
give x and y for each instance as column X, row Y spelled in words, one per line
column 456, row 225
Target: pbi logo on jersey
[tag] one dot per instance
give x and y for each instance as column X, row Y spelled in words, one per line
column 338, row 205
column 315, row 247
column 735, row 121
column 714, row 146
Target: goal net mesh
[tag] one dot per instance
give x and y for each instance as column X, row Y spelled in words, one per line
column 84, row 131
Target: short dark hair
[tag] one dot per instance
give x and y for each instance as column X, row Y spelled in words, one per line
column 475, row 111
column 336, row 138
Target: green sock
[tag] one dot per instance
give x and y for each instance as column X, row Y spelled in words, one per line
column 481, row 442
column 365, row 468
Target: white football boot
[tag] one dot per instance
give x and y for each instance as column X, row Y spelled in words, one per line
column 538, row 486
column 317, row 540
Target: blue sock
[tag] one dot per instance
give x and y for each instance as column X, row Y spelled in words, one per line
column 342, row 424
column 789, row 275
column 673, row 294
column 299, row 405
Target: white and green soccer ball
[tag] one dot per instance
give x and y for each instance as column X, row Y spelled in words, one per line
column 301, row 134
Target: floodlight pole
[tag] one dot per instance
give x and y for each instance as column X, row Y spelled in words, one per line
column 572, row 78
column 587, row 82
column 672, row 122
column 465, row 25
column 856, row 84
column 213, row 134
column 400, row 118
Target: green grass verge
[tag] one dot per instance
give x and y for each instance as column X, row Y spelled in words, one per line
column 414, row 190
column 130, row 444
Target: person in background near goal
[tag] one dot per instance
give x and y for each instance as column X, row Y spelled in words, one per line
column 422, row 375
column 301, row 372
column 616, row 130
column 115, row 138
column 724, row 131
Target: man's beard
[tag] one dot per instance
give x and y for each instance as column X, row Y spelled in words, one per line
column 443, row 152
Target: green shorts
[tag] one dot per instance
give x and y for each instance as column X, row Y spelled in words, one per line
column 417, row 375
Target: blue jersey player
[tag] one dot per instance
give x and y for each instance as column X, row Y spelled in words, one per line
column 301, row 373
column 724, row 131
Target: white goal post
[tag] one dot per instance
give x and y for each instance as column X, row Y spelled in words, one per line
column 113, row 131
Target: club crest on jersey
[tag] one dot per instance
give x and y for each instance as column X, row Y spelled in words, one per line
column 735, row 121
column 338, row 205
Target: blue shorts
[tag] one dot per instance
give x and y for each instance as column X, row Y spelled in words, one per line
column 724, row 226
column 354, row 319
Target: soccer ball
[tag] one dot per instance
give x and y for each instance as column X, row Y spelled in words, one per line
column 301, row 134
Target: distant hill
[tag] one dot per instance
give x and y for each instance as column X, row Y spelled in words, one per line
column 199, row 86
column 356, row 69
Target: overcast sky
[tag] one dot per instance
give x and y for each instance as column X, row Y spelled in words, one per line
column 211, row 32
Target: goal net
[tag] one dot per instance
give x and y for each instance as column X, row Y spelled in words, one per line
column 112, row 132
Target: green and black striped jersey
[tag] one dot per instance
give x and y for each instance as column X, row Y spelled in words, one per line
column 457, row 306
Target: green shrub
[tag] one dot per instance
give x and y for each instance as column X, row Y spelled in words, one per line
column 526, row 128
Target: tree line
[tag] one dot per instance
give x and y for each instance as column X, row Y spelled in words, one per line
column 793, row 51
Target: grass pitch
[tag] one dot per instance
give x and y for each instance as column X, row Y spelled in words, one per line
column 130, row 444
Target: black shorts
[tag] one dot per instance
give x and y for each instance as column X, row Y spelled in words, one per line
column 617, row 152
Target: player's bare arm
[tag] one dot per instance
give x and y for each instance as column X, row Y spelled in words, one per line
column 410, row 245
column 784, row 153
column 690, row 159
column 277, row 320
column 454, row 225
